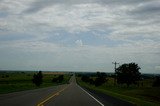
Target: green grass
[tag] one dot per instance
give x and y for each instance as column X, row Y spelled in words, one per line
column 19, row 81
column 140, row 96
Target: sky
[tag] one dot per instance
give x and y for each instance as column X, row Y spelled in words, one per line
column 79, row 35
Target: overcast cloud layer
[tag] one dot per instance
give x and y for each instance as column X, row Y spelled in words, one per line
column 75, row 35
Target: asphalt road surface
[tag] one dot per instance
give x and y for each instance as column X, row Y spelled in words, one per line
column 28, row 98
column 62, row 95
column 73, row 95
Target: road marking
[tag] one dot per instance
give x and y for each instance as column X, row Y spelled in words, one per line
column 91, row 95
column 55, row 94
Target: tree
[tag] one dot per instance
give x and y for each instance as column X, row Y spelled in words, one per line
column 55, row 79
column 156, row 82
column 60, row 78
column 91, row 81
column 101, row 78
column 37, row 78
column 85, row 78
column 128, row 74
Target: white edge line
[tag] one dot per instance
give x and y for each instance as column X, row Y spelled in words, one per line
column 91, row 96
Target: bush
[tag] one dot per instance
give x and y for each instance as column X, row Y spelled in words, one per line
column 7, row 76
column 85, row 78
column 101, row 79
column 91, row 81
column 58, row 79
column 37, row 78
column 54, row 80
column 156, row 82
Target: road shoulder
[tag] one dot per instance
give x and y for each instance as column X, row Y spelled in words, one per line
column 107, row 99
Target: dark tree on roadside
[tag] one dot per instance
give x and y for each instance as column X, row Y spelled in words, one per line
column 37, row 78
column 55, row 79
column 101, row 79
column 128, row 74
column 91, row 81
column 156, row 82
column 85, row 78
column 60, row 78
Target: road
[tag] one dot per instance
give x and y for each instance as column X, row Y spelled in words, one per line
column 62, row 95
column 28, row 98
column 73, row 95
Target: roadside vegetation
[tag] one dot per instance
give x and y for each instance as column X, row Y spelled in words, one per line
column 131, row 85
column 18, row 81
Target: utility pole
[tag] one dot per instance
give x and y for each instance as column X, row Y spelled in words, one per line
column 115, row 68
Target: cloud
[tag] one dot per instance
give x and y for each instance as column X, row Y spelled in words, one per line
column 81, row 16
column 79, row 42
column 157, row 68
column 39, row 5
column 122, row 30
column 146, row 8
column 73, row 58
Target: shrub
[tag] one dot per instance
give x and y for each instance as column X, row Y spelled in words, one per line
column 156, row 82
column 37, row 78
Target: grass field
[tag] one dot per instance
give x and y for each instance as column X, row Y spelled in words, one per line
column 18, row 81
column 141, row 96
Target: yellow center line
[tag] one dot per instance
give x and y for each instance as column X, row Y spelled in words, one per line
column 47, row 99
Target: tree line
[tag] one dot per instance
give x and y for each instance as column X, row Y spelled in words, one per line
column 127, row 73
column 99, row 80
column 38, row 78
